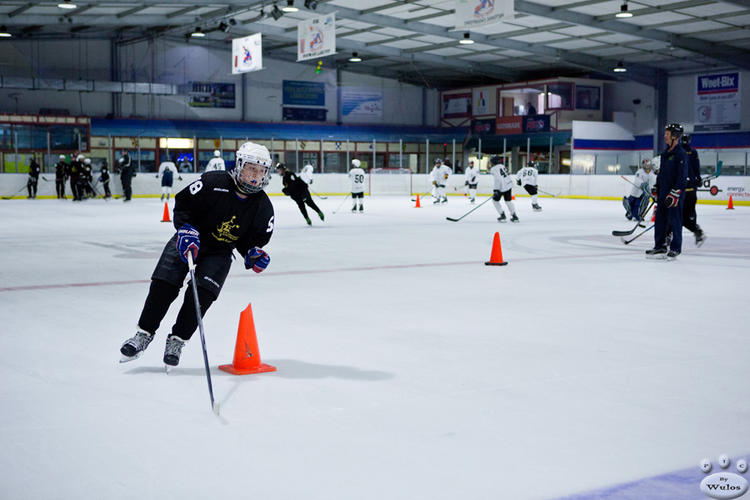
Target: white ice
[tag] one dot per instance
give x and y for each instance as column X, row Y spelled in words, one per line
column 407, row 369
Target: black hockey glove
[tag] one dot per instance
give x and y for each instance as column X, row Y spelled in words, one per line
column 673, row 198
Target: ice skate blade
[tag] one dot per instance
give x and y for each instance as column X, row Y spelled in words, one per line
column 661, row 256
column 125, row 359
column 168, row 368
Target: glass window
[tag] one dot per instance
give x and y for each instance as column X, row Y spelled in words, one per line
column 335, row 163
column 607, row 164
column 560, row 95
column 393, row 160
column 582, row 164
column 707, row 158
column 733, row 162
column 6, row 143
column 310, row 159
column 587, row 97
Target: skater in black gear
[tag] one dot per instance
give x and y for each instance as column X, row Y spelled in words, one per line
column 104, row 179
column 31, row 184
column 220, row 212
column 126, row 176
column 76, row 172
column 297, row 189
column 669, row 194
column 61, row 174
column 689, row 217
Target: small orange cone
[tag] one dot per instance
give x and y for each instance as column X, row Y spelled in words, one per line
column 417, row 205
column 731, row 203
column 246, row 355
column 165, row 217
column 513, row 197
column 496, row 256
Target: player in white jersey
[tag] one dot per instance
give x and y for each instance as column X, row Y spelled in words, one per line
column 472, row 180
column 307, row 174
column 216, row 163
column 440, row 174
column 502, row 190
column 357, row 176
column 640, row 190
column 528, row 178
column 167, row 172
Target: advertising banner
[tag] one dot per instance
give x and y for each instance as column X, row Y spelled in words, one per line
column 247, row 54
column 717, row 102
column 316, row 37
column 357, row 102
column 302, row 93
column 476, row 13
column 456, row 105
column 509, row 125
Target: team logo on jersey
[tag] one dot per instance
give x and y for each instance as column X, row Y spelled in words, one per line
column 224, row 231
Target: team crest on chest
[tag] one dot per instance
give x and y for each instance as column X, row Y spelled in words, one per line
column 224, row 231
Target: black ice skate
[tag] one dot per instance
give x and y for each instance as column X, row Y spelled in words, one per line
column 472, row 200
column 322, row 217
column 536, row 207
column 514, row 218
column 502, row 218
column 656, row 253
column 172, row 351
column 354, row 208
column 309, row 222
column 700, row 237
column 361, row 208
column 672, row 254
column 444, row 199
column 134, row 346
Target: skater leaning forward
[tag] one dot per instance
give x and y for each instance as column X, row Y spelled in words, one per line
column 214, row 215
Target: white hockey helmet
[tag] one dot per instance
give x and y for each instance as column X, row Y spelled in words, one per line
column 252, row 169
column 356, row 163
column 656, row 163
column 79, row 157
column 62, row 157
column 87, row 161
column 217, row 153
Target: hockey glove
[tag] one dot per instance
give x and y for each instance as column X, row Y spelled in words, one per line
column 257, row 259
column 188, row 240
column 518, row 182
column 673, row 198
column 653, row 192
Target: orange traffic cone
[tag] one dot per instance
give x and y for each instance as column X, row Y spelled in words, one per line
column 417, row 205
column 731, row 203
column 165, row 217
column 513, row 198
column 246, row 355
column 496, row 256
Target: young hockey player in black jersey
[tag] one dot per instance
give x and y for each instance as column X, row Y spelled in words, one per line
column 669, row 189
column 297, row 189
column 104, row 179
column 31, row 184
column 689, row 217
column 214, row 215
column 61, row 173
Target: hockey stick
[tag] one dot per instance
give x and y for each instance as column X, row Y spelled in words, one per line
column 467, row 213
column 191, row 267
column 638, row 235
column 14, row 194
column 319, row 196
column 715, row 174
column 545, row 192
column 342, row 204
column 637, row 225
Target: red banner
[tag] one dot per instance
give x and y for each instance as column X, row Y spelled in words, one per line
column 509, row 125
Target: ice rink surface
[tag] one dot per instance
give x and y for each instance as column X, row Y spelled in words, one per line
column 406, row 368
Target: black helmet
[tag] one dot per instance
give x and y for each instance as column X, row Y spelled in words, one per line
column 496, row 160
column 280, row 166
column 531, row 164
column 686, row 139
column 676, row 129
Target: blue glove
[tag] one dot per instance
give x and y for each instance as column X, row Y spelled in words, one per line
column 673, row 198
column 258, row 259
column 188, row 240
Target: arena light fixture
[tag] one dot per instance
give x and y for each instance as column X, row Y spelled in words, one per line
column 624, row 13
column 197, row 33
column 290, row 6
column 276, row 13
column 620, row 68
column 355, row 58
column 67, row 4
column 4, row 33
column 466, row 40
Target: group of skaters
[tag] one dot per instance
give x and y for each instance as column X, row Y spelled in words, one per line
column 672, row 180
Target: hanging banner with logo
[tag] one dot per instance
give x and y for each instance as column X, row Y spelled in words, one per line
column 358, row 102
column 316, row 37
column 247, row 54
column 482, row 102
column 476, row 13
column 456, row 105
column 717, row 102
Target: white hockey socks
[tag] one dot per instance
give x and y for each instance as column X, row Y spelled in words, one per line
column 534, row 199
column 511, row 207
column 498, row 207
column 472, row 193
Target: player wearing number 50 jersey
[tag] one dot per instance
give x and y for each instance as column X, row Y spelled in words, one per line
column 357, row 176
column 214, row 215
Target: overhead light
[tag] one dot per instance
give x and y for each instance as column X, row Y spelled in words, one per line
column 466, row 40
column 276, row 13
column 620, row 68
column 624, row 13
column 311, row 4
column 4, row 33
column 67, row 4
column 197, row 33
column 290, row 6
column 355, row 58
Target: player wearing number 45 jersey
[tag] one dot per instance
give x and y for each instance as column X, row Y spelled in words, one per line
column 357, row 176
column 214, row 215
column 502, row 190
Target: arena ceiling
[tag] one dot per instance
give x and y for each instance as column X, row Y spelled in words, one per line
column 414, row 40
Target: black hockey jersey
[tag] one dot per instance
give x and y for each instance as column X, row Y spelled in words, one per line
column 224, row 221
column 294, row 186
